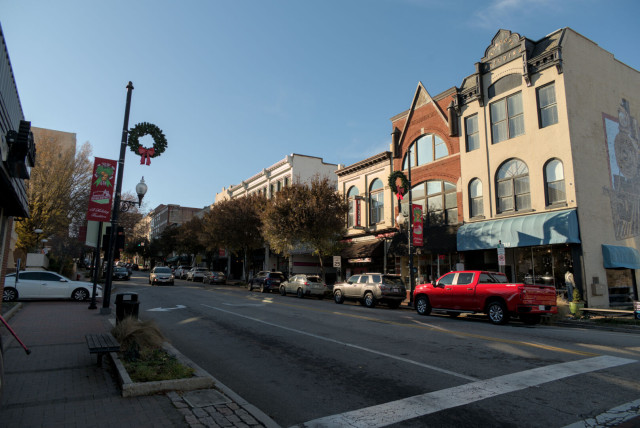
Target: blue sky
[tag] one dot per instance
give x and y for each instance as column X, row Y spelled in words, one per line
column 238, row 85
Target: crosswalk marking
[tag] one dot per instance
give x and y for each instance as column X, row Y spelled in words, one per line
column 421, row 405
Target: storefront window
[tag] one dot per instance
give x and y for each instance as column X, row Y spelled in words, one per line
column 544, row 265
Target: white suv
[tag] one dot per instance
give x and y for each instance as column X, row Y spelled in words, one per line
column 181, row 271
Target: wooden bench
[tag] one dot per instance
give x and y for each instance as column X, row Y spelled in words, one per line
column 102, row 344
column 608, row 312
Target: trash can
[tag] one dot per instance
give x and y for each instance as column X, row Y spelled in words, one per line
column 127, row 305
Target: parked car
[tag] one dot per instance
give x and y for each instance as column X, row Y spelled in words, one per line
column 304, row 285
column 487, row 292
column 161, row 275
column 266, row 281
column 46, row 285
column 213, row 277
column 370, row 289
column 181, row 271
column 196, row 274
column 121, row 273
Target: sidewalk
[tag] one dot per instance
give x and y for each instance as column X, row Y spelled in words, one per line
column 60, row 384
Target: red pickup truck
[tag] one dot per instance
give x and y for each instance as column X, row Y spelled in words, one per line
column 487, row 292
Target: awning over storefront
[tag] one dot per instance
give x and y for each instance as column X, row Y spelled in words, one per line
column 360, row 249
column 557, row 227
column 616, row 256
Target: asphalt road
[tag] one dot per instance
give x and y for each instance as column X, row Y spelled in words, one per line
column 310, row 361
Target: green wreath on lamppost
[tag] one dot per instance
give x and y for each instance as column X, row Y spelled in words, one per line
column 159, row 141
column 404, row 183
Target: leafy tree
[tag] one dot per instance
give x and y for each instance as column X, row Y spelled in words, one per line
column 58, row 194
column 190, row 238
column 306, row 215
column 235, row 225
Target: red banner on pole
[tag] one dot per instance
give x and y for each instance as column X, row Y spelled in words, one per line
column 101, row 194
column 416, row 212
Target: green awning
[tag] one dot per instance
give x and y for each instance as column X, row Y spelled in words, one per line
column 616, row 256
column 557, row 227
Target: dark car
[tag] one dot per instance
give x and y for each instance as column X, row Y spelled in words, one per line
column 214, row 277
column 266, row 281
column 121, row 273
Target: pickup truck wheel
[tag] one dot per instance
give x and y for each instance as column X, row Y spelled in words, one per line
column 530, row 319
column 300, row 293
column 249, row 287
column 423, row 307
column 369, row 300
column 283, row 291
column 497, row 312
column 338, row 297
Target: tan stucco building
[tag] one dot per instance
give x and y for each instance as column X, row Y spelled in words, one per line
column 550, row 156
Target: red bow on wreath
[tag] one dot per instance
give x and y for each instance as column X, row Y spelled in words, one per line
column 400, row 193
column 146, row 154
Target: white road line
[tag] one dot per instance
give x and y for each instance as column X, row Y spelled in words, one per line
column 350, row 345
column 421, row 405
column 612, row 417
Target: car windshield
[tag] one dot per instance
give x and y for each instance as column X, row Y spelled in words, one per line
column 218, row 273
column 276, row 275
column 392, row 280
column 121, row 269
column 163, row 270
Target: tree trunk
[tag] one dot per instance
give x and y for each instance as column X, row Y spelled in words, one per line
column 321, row 267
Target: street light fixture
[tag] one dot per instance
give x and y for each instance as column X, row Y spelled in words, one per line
column 37, row 232
column 141, row 190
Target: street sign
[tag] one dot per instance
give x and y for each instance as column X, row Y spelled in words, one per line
column 337, row 261
column 501, row 258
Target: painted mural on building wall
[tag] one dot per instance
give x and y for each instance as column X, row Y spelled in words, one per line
column 623, row 145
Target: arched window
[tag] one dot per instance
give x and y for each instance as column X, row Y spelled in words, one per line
column 439, row 200
column 425, row 150
column 376, row 202
column 351, row 218
column 554, row 182
column 476, row 206
column 512, row 183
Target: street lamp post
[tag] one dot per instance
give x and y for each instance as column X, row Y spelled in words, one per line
column 116, row 206
column 38, row 232
column 401, row 219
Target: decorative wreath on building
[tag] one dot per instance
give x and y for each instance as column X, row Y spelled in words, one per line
column 159, row 141
column 404, row 183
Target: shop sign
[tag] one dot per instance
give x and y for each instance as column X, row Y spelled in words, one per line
column 362, row 260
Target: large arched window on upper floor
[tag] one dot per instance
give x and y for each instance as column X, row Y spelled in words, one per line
column 476, row 206
column 554, row 182
column 425, row 150
column 351, row 217
column 439, row 200
column 512, row 184
column 376, row 202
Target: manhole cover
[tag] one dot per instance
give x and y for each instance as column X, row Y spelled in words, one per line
column 204, row 398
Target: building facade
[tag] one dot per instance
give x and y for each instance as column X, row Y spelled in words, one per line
column 169, row 215
column 268, row 182
column 426, row 148
column 17, row 154
column 549, row 165
column 370, row 221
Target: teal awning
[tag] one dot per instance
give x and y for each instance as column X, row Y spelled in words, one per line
column 557, row 227
column 620, row 257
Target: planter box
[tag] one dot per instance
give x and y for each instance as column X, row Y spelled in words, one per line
column 200, row 379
